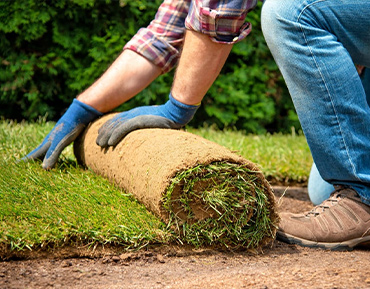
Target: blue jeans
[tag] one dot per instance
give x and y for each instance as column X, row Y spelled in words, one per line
column 315, row 43
column 318, row 189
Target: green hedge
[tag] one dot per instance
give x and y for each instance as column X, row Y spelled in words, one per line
column 52, row 50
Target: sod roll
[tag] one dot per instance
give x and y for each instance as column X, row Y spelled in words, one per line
column 205, row 193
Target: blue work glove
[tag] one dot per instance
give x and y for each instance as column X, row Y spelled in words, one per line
column 66, row 130
column 173, row 114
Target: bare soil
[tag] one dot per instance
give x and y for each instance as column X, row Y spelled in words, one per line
column 278, row 266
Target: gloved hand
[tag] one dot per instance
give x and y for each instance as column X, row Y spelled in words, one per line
column 173, row 114
column 66, row 130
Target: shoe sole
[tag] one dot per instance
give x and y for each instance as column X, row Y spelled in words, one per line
column 342, row 246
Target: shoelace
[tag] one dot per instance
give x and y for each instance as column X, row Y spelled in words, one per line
column 316, row 210
column 328, row 203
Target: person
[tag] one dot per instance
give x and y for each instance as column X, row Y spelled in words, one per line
column 335, row 121
column 152, row 51
column 212, row 29
column 315, row 44
column 318, row 189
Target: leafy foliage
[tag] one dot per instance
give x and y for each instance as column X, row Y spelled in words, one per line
column 50, row 51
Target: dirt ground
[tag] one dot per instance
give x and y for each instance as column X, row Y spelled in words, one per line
column 278, row 266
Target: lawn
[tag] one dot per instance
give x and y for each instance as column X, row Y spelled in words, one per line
column 70, row 205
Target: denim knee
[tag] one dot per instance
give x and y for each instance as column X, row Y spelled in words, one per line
column 269, row 15
column 276, row 18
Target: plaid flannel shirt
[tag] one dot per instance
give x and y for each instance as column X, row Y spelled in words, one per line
column 161, row 42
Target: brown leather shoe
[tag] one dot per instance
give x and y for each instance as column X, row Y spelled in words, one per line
column 339, row 223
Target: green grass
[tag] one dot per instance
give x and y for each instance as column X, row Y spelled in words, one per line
column 65, row 205
column 69, row 205
column 235, row 198
column 282, row 158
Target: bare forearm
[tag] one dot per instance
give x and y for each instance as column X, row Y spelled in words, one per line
column 200, row 64
column 129, row 74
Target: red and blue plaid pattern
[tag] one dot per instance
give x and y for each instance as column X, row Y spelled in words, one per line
column 223, row 21
column 161, row 41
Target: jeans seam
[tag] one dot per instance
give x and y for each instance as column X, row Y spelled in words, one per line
column 327, row 89
column 299, row 16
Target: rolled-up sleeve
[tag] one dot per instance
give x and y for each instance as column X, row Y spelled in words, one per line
column 223, row 21
column 162, row 40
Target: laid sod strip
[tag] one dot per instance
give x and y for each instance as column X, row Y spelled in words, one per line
column 64, row 206
column 41, row 209
column 220, row 204
column 234, row 212
column 71, row 206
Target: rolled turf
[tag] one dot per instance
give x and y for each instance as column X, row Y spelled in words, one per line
column 207, row 194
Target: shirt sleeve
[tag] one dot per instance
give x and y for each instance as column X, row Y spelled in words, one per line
column 223, row 21
column 162, row 40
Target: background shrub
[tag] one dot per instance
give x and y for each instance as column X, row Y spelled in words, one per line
column 50, row 51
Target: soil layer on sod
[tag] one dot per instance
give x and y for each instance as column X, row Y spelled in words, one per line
column 207, row 194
